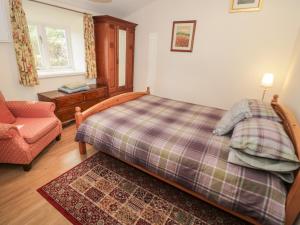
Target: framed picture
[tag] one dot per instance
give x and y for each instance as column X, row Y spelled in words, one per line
column 183, row 35
column 245, row 5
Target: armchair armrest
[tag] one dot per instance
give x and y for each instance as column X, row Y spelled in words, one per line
column 31, row 109
column 8, row 131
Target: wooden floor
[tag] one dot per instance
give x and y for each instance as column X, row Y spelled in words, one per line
column 19, row 201
column 20, row 204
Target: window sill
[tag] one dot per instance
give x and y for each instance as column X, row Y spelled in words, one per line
column 45, row 75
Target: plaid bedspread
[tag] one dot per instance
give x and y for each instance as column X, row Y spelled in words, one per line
column 174, row 139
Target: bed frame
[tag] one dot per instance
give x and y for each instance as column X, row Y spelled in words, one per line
column 290, row 124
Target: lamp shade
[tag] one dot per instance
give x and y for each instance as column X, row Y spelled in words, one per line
column 267, row 80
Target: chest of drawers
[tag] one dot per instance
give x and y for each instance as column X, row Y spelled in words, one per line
column 66, row 103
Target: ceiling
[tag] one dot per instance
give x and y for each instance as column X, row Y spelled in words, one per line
column 119, row 8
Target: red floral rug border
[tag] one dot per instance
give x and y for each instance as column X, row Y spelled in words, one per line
column 56, row 205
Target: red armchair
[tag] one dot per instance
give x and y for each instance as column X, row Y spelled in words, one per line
column 26, row 128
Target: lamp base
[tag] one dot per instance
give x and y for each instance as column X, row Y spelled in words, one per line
column 264, row 94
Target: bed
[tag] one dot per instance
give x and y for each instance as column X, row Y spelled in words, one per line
column 173, row 141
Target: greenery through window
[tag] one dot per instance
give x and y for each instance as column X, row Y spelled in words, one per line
column 36, row 45
column 51, row 47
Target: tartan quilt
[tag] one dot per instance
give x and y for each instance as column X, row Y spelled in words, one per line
column 174, row 140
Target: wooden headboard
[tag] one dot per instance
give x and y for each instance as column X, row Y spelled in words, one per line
column 289, row 122
column 292, row 128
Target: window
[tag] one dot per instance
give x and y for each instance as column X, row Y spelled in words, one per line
column 52, row 48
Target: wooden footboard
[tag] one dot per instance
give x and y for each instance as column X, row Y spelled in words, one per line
column 290, row 124
column 116, row 100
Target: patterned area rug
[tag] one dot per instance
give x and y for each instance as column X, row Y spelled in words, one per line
column 104, row 191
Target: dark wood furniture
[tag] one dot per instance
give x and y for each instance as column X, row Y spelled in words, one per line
column 114, row 40
column 66, row 103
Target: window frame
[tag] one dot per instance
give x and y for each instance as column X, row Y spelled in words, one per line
column 47, row 70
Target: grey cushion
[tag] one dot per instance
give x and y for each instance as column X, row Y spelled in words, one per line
column 263, row 144
column 282, row 169
column 246, row 108
column 263, row 110
column 237, row 113
column 263, row 138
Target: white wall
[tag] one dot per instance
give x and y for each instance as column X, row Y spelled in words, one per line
column 9, row 74
column 4, row 34
column 231, row 51
column 291, row 89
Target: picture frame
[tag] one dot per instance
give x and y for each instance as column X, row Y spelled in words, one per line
column 245, row 5
column 183, row 35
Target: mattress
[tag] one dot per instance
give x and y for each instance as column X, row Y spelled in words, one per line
column 174, row 140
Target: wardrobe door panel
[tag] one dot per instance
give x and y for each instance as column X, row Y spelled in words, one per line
column 100, row 39
column 112, row 57
column 122, row 47
column 130, row 58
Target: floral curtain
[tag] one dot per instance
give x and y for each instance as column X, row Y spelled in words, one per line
column 90, row 55
column 23, row 48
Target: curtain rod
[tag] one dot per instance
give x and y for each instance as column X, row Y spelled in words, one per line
column 60, row 7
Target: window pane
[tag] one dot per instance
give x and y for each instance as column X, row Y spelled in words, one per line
column 34, row 38
column 57, row 47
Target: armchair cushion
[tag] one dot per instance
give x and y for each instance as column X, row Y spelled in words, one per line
column 5, row 115
column 32, row 129
column 2, row 97
column 8, row 131
column 31, row 109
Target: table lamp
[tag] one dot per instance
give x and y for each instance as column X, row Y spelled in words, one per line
column 267, row 82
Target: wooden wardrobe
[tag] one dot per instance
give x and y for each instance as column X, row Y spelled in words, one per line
column 114, row 53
